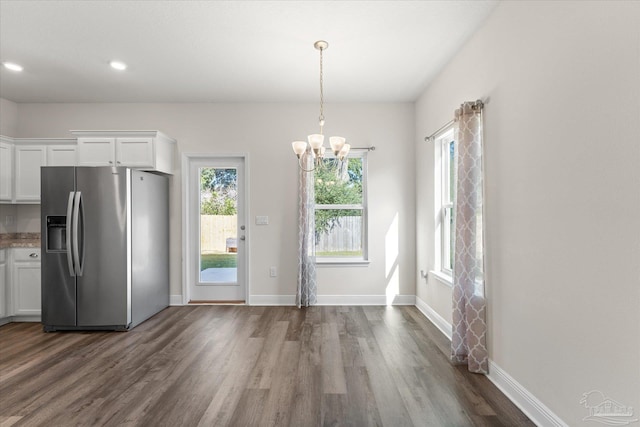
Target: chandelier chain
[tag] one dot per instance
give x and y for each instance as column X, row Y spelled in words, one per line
column 321, row 118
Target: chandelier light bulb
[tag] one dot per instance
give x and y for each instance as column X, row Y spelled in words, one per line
column 299, row 147
column 336, row 142
column 345, row 150
column 316, row 140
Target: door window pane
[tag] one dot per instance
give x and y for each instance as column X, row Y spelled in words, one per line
column 218, row 225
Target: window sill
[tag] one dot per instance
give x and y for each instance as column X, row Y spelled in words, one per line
column 442, row 277
column 337, row 262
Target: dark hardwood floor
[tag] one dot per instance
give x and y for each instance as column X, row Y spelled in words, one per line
column 245, row 366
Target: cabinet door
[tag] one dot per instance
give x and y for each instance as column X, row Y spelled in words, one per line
column 61, row 155
column 29, row 159
column 135, row 152
column 25, row 282
column 3, row 284
column 6, row 172
column 96, row 151
column 26, row 289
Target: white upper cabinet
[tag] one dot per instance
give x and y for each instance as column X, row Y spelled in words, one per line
column 6, row 171
column 147, row 150
column 29, row 159
column 22, row 158
column 135, row 152
column 62, row 155
column 96, row 151
column 20, row 162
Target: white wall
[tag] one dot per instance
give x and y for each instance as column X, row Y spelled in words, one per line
column 265, row 132
column 8, row 118
column 25, row 218
column 562, row 157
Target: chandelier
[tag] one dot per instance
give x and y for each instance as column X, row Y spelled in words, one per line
column 316, row 141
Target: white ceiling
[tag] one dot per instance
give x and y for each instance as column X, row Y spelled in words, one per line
column 229, row 51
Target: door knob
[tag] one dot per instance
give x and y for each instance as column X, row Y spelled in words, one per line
column 242, row 237
column 242, row 227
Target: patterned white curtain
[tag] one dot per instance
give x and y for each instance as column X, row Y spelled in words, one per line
column 468, row 344
column 307, row 289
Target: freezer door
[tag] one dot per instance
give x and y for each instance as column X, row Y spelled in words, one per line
column 104, row 286
column 58, row 284
column 150, row 245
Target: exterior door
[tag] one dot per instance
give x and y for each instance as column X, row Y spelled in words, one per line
column 216, row 227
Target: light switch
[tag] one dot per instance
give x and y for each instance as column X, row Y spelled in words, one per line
column 262, row 220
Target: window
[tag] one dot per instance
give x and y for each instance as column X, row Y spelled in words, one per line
column 341, row 210
column 445, row 195
column 446, row 147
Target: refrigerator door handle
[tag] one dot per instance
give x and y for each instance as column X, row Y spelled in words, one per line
column 68, row 234
column 76, row 240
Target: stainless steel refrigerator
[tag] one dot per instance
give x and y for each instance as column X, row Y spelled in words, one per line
column 105, row 247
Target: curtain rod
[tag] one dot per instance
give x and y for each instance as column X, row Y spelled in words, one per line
column 477, row 105
column 372, row 148
column 432, row 137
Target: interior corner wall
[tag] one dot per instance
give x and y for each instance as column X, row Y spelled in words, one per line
column 562, row 195
column 8, row 118
column 265, row 132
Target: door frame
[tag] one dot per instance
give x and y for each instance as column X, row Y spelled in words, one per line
column 187, row 260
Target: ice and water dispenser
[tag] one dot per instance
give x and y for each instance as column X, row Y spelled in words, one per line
column 56, row 233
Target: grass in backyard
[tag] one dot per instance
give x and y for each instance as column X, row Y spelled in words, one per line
column 221, row 260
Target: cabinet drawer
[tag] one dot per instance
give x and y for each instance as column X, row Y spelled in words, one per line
column 26, row 254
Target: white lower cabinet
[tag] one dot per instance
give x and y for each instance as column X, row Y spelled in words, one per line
column 25, row 282
column 3, row 284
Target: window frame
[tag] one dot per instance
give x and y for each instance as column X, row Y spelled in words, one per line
column 445, row 195
column 364, row 258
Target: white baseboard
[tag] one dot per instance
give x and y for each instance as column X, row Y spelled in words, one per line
column 33, row 318
column 364, row 300
column 272, row 300
column 519, row 396
column 437, row 320
column 404, row 300
column 522, row 398
column 333, row 300
column 175, row 300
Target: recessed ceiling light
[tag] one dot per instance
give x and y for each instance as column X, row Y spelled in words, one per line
column 118, row 65
column 11, row 66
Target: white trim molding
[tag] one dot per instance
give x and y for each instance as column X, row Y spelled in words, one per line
column 365, row 300
column 515, row 392
column 333, row 300
column 272, row 300
column 175, row 300
column 522, row 398
column 437, row 320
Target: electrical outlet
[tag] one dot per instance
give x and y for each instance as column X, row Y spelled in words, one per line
column 8, row 220
column 273, row 272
